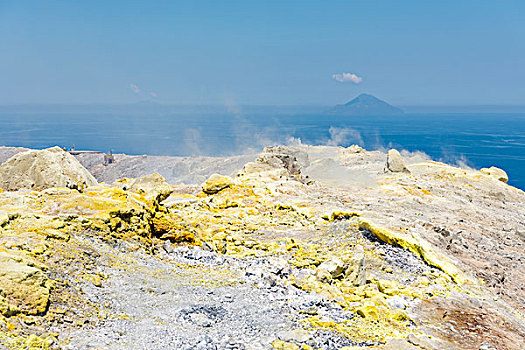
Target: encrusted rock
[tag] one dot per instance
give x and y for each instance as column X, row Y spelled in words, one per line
column 394, row 162
column 388, row 287
column 22, row 287
column 167, row 227
column 153, row 186
column 356, row 270
column 498, row 173
column 330, row 269
column 41, row 169
column 368, row 310
column 281, row 345
column 351, row 268
column 290, row 158
column 216, row 183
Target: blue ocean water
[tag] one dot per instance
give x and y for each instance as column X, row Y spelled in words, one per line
column 478, row 140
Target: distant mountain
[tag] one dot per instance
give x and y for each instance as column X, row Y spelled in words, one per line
column 366, row 104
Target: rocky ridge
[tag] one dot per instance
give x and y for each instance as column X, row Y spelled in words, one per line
column 304, row 248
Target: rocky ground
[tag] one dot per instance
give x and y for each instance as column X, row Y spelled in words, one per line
column 302, row 248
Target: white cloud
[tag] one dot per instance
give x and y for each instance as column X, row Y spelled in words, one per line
column 347, row 77
column 134, row 88
column 153, row 94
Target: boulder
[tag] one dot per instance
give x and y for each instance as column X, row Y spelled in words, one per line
column 498, row 173
column 350, row 268
column 216, row 183
column 355, row 271
column 23, row 286
column 41, row 169
column 394, row 162
column 330, row 269
column 290, row 158
column 153, row 187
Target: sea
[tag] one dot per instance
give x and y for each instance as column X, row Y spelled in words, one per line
column 468, row 139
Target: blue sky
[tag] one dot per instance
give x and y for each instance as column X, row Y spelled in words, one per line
column 262, row 52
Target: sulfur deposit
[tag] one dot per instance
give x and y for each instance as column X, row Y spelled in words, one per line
column 303, row 247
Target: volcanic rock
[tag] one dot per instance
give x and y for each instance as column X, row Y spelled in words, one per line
column 216, row 183
column 329, row 269
column 22, row 287
column 153, row 186
column 498, row 173
column 356, row 270
column 394, row 162
column 41, row 169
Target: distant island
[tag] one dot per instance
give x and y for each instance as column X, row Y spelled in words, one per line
column 366, row 104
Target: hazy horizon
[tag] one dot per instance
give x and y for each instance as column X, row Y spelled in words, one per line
column 237, row 109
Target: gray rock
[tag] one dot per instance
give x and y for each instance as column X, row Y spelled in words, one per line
column 293, row 159
column 394, row 162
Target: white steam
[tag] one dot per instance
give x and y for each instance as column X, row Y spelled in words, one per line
column 344, row 136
